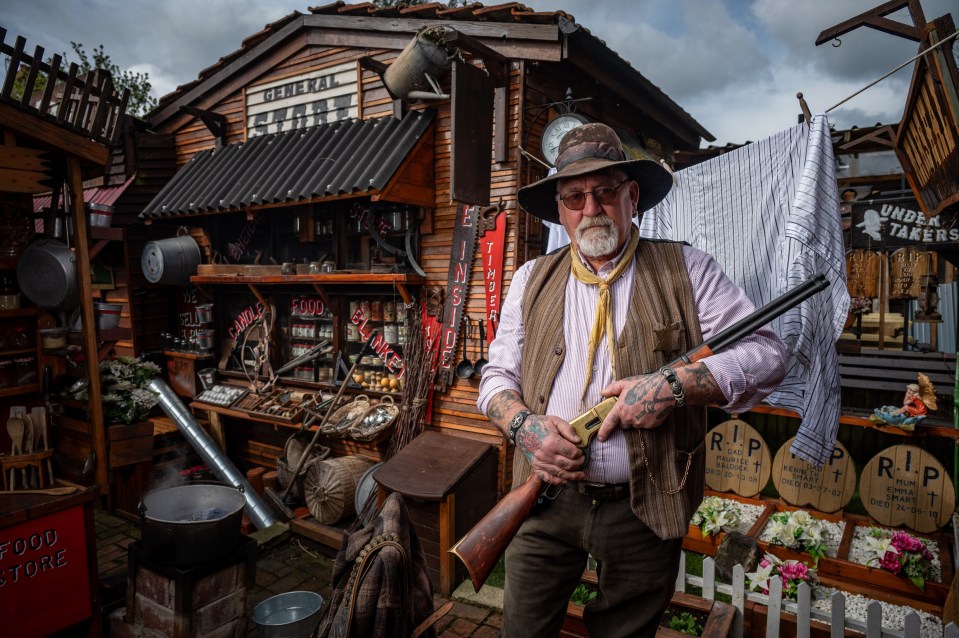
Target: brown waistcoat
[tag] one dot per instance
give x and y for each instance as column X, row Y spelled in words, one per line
column 661, row 296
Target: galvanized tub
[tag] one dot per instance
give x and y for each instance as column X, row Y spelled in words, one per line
column 295, row 614
column 170, row 261
column 101, row 215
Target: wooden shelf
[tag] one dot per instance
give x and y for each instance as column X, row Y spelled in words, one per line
column 20, row 312
column 336, row 278
column 20, row 389
column 930, row 426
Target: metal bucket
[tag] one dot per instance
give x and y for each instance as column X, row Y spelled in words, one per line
column 204, row 313
column 107, row 314
column 295, row 614
column 100, row 215
column 170, row 261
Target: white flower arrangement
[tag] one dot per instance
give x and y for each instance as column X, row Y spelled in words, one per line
column 800, row 531
column 123, row 389
column 716, row 514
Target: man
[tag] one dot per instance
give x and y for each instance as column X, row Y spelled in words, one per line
column 601, row 318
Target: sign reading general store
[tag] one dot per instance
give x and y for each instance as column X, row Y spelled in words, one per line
column 901, row 223
column 315, row 98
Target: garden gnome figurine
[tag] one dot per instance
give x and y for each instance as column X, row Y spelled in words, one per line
column 919, row 400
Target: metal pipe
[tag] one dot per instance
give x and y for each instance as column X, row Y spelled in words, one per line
column 256, row 508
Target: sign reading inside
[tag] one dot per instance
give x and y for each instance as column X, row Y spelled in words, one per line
column 905, row 485
column 737, row 459
column 318, row 97
column 826, row 489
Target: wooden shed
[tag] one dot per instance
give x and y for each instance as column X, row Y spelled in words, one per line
column 308, row 141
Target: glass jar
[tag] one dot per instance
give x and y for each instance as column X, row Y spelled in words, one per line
column 25, row 370
column 7, row 373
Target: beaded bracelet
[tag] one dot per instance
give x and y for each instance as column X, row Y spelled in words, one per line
column 674, row 385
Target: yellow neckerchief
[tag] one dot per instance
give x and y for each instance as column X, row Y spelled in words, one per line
column 604, row 311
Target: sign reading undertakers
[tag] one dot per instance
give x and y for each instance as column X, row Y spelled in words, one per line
column 313, row 99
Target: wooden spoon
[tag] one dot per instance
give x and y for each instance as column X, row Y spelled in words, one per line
column 15, row 430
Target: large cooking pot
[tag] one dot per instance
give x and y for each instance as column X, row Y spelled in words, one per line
column 191, row 524
column 47, row 274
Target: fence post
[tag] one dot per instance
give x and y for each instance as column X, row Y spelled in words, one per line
column 837, row 620
column 709, row 578
column 951, row 631
column 874, row 619
column 802, row 613
column 681, row 576
column 911, row 625
column 775, row 607
column 739, row 601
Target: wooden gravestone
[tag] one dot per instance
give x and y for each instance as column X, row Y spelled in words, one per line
column 905, row 485
column 737, row 459
column 826, row 489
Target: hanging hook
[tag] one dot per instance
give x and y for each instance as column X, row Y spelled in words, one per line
column 836, row 42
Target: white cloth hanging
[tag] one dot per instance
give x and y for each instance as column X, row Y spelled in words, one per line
column 769, row 213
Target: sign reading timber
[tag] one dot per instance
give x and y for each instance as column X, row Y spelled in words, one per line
column 303, row 101
column 894, row 224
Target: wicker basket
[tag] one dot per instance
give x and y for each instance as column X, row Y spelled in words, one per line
column 330, row 487
column 345, row 416
column 376, row 420
column 286, row 464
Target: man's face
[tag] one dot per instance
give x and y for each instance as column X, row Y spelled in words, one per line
column 599, row 230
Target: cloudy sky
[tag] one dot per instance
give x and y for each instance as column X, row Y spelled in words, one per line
column 734, row 65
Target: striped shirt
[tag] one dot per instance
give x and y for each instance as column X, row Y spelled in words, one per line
column 768, row 213
column 746, row 372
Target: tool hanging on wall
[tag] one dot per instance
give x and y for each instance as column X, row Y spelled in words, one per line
column 457, row 289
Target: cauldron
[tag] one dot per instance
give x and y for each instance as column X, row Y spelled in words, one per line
column 191, row 524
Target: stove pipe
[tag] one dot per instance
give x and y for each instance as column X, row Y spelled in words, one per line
column 258, row 511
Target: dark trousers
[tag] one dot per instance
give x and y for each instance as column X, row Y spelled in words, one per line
column 544, row 563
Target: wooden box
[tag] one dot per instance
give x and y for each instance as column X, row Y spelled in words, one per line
column 448, row 483
column 129, row 444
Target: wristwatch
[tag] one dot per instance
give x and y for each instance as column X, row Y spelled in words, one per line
column 515, row 424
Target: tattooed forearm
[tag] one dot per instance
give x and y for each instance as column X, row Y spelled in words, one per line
column 700, row 386
column 502, row 407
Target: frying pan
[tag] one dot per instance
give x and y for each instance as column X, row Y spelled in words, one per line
column 481, row 362
column 464, row 369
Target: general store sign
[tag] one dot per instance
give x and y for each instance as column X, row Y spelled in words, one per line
column 303, row 101
column 898, row 224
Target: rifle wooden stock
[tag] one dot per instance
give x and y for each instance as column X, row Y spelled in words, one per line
column 480, row 549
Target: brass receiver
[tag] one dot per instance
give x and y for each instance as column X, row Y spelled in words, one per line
column 587, row 424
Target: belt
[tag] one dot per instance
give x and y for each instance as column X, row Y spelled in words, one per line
column 603, row 491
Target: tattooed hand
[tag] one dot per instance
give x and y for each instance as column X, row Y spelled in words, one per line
column 644, row 402
column 549, row 444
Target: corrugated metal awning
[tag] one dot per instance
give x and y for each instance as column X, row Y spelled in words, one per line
column 106, row 195
column 347, row 157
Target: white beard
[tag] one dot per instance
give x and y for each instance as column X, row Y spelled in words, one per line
column 595, row 244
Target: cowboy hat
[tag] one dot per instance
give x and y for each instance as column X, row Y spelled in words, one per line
column 589, row 148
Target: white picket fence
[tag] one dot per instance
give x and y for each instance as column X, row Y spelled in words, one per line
column 802, row 608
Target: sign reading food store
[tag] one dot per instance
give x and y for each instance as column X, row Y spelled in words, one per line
column 303, row 101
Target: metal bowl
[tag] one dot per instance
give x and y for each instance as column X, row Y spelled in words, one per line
column 294, row 614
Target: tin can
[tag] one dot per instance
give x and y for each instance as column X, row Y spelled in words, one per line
column 352, row 332
column 376, row 310
column 389, row 311
column 390, row 333
column 401, row 312
column 365, row 309
column 401, row 335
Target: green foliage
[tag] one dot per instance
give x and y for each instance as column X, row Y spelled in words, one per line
column 140, row 102
column 686, row 623
column 582, row 595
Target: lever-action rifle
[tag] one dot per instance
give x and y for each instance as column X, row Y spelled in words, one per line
column 482, row 546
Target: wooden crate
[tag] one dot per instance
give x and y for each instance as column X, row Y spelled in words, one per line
column 129, row 444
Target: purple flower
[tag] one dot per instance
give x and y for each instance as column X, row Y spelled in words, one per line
column 890, row 562
column 906, row 543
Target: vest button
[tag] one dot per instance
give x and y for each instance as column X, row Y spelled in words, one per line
column 542, row 400
column 558, row 350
